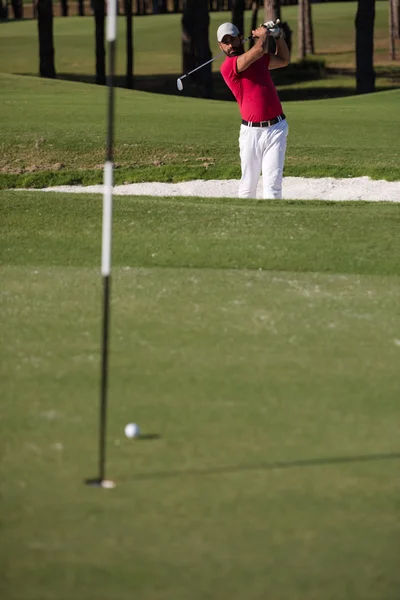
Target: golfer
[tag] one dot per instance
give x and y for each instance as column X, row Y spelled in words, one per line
column 264, row 128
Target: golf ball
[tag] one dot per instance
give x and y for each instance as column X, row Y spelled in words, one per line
column 132, row 430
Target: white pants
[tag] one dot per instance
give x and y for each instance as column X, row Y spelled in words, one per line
column 262, row 150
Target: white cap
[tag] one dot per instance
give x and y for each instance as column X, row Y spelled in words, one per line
column 227, row 29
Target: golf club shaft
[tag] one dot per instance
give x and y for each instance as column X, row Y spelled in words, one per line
column 203, row 65
column 209, row 61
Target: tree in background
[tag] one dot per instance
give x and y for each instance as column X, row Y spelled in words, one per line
column 129, row 44
column 219, row 5
column 140, row 7
column 81, row 8
column 64, row 8
column 238, row 8
column 272, row 12
column 365, row 73
column 46, row 46
column 99, row 19
column 392, row 30
column 301, row 33
column 3, row 9
column 394, row 26
column 397, row 17
column 305, row 29
column 309, row 30
column 18, row 8
column 195, row 44
column 254, row 19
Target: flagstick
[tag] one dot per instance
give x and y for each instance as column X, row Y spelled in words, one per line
column 101, row 481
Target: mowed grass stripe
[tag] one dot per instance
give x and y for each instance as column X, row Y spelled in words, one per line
column 160, row 138
column 207, row 342
column 259, row 341
column 275, row 399
column 44, row 229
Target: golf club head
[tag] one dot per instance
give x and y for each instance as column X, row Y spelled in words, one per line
column 179, row 84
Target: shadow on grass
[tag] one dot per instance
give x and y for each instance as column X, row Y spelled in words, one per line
column 269, row 466
column 334, row 53
column 12, row 20
column 148, row 436
column 166, row 84
column 291, row 78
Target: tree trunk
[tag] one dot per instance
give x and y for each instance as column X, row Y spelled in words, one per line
column 365, row 74
column 140, row 7
column 188, row 50
column 3, row 9
column 46, row 47
column 308, row 26
column 18, row 9
column 99, row 19
column 195, row 44
column 81, row 8
column 238, row 7
column 64, row 8
column 392, row 30
column 272, row 10
column 129, row 44
column 301, row 30
column 397, row 18
column 254, row 19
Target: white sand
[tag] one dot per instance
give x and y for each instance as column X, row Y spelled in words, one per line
column 296, row 188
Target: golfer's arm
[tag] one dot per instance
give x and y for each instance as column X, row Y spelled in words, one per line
column 256, row 52
column 281, row 58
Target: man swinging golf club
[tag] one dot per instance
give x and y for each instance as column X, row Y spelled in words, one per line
column 264, row 128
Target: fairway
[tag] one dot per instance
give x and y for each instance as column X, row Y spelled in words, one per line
column 160, row 138
column 256, row 344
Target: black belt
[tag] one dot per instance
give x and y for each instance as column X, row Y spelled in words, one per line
column 264, row 123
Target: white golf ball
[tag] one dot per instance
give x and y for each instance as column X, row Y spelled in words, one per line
column 132, row 430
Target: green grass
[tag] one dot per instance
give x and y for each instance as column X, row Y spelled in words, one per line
column 179, row 139
column 158, row 61
column 206, row 233
column 53, row 132
column 158, row 40
column 259, row 341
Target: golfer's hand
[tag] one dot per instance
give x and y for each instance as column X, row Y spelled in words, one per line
column 260, row 32
column 274, row 29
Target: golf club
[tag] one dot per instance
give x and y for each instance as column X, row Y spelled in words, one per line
column 179, row 83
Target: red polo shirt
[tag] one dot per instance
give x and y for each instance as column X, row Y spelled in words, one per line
column 253, row 89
